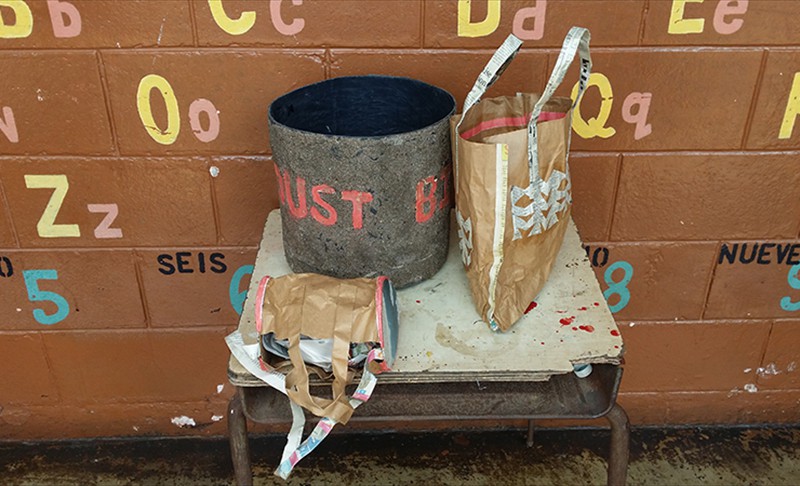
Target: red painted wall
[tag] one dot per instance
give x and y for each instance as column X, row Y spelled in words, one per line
column 135, row 178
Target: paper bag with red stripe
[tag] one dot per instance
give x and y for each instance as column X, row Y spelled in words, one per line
column 513, row 192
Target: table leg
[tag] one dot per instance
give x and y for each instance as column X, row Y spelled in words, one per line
column 619, row 451
column 529, row 442
column 240, row 448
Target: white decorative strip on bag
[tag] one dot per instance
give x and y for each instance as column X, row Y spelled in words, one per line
column 464, row 238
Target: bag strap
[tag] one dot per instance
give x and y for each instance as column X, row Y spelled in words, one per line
column 297, row 385
column 294, row 451
column 500, row 60
column 576, row 41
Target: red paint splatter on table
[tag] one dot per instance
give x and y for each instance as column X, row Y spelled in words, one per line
column 583, row 308
column 597, row 304
column 614, row 332
column 542, row 344
column 616, row 347
column 418, row 302
column 587, row 328
column 561, row 312
column 567, row 321
column 574, row 328
column 531, row 306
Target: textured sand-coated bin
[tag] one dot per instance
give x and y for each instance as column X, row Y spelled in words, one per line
column 364, row 176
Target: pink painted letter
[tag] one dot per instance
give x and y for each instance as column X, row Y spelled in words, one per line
column 65, row 18
column 286, row 29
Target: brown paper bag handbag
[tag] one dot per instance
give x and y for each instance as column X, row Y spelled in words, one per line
column 356, row 313
column 512, row 185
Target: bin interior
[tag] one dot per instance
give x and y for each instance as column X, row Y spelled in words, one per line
column 363, row 106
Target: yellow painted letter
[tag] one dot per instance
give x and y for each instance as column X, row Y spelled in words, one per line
column 164, row 137
column 232, row 26
column 47, row 227
column 466, row 28
column 594, row 127
column 792, row 109
column 680, row 25
column 23, row 23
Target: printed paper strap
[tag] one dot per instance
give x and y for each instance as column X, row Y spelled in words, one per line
column 500, row 60
column 294, row 450
column 577, row 40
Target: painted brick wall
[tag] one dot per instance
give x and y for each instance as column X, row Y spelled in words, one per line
column 135, row 178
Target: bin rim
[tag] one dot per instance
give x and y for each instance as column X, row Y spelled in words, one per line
column 361, row 76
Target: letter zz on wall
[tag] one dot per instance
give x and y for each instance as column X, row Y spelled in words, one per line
column 46, row 227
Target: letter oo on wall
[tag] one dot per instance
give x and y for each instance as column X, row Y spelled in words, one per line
column 170, row 134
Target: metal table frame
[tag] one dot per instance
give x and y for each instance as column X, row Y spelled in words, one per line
column 563, row 396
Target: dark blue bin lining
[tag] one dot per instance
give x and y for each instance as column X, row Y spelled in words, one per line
column 363, row 106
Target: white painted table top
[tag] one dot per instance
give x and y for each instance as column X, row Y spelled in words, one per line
column 442, row 338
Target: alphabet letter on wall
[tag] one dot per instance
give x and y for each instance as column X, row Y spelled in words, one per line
column 232, row 26
column 23, row 23
column 467, row 28
column 792, row 109
column 680, row 25
column 65, row 18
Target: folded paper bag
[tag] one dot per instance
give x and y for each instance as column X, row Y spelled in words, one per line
column 359, row 311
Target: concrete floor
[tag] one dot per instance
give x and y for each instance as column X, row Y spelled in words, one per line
column 721, row 456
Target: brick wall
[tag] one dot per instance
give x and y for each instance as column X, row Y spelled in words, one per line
column 135, row 178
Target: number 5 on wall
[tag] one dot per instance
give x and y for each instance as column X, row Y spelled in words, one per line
column 32, row 278
column 794, row 282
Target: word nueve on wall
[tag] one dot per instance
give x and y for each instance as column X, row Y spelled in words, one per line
column 432, row 195
column 760, row 253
